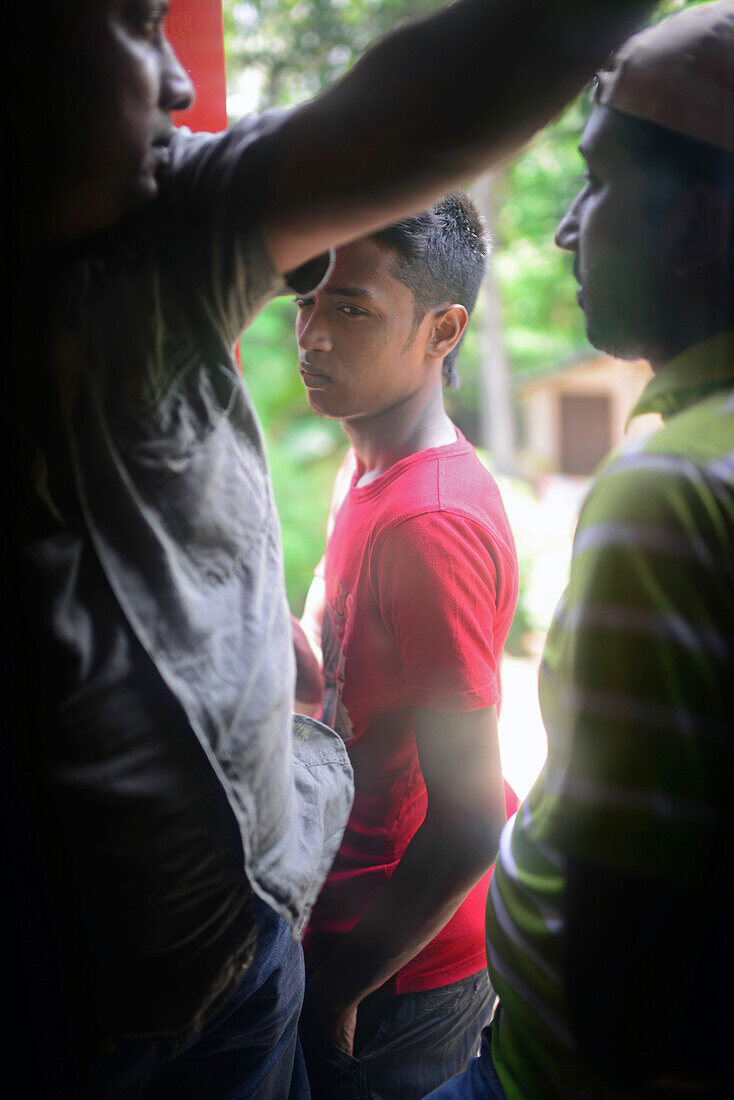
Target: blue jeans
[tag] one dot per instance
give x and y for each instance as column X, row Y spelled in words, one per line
column 479, row 1081
column 249, row 1049
column 404, row 1045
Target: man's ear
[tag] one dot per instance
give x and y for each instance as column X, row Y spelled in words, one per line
column 702, row 228
column 447, row 328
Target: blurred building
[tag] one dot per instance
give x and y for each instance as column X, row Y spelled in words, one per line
column 573, row 414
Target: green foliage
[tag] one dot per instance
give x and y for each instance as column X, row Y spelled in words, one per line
column 270, row 363
column 300, row 46
column 303, row 492
column 543, row 323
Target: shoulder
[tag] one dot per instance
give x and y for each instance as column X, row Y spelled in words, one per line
column 204, row 237
column 247, row 145
column 451, row 498
column 657, row 528
column 467, row 487
column 444, row 479
column 672, row 479
column 211, row 200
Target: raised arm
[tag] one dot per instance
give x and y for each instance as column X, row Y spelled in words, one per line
column 431, row 105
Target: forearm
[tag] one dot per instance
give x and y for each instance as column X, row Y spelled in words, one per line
column 313, row 613
column 442, row 863
column 434, row 103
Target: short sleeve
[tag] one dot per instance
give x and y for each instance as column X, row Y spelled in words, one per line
column 436, row 583
column 211, row 219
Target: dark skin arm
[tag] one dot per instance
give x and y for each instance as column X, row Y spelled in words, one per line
column 453, row 848
column 433, row 104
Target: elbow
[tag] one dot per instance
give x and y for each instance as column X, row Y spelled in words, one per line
column 486, row 839
column 470, row 840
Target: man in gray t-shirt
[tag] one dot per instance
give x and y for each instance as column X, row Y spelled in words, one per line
column 154, row 577
column 183, row 825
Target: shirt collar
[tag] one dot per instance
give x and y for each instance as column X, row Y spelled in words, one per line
column 691, row 376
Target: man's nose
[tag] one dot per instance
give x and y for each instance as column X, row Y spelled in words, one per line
column 567, row 233
column 177, row 91
column 312, row 332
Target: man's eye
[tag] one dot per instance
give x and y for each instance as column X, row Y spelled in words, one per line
column 588, row 179
column 303, row 303
column 352, row 311
column 147, row 19
column 151, row 28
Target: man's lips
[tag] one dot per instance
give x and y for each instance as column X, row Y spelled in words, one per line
column 313, row 379
column 159, row 152
column 164, row 135
column 160, row 156
column 580, row 291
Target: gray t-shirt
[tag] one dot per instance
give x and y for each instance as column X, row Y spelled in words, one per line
column 160, row 603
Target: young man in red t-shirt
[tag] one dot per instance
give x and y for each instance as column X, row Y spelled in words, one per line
column 410, row 607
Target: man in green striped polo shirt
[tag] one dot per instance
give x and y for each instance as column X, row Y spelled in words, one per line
column 609, row 922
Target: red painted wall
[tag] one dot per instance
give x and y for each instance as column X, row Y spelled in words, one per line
column 195, row 30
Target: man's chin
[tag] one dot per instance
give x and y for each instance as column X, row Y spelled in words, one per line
column 610, row 340
column 144, row 189
column 145, row 185
column 319, row 408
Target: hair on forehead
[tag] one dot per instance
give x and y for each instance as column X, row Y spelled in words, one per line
column 441, row 256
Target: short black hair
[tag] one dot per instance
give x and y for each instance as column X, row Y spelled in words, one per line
column 441, row 256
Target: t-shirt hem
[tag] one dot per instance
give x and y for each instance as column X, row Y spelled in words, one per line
column 435, row 979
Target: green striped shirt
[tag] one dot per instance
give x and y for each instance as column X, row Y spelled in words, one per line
column 637, row 700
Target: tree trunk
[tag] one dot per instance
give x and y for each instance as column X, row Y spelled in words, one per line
column 495, row 410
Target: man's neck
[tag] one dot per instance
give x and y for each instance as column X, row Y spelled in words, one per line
column 701, row 311
column 419, row 423
column 674, row 350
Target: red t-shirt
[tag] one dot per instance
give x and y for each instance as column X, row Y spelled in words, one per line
column 421, row 586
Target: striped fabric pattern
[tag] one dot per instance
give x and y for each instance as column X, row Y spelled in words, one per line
column 638, row 701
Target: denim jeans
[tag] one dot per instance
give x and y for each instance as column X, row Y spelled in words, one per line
column 405, row 1044
column 250, row 1049
column 479, row 1081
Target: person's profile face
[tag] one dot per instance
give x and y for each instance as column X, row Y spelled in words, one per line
column 122, row 81
column 618, row 244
